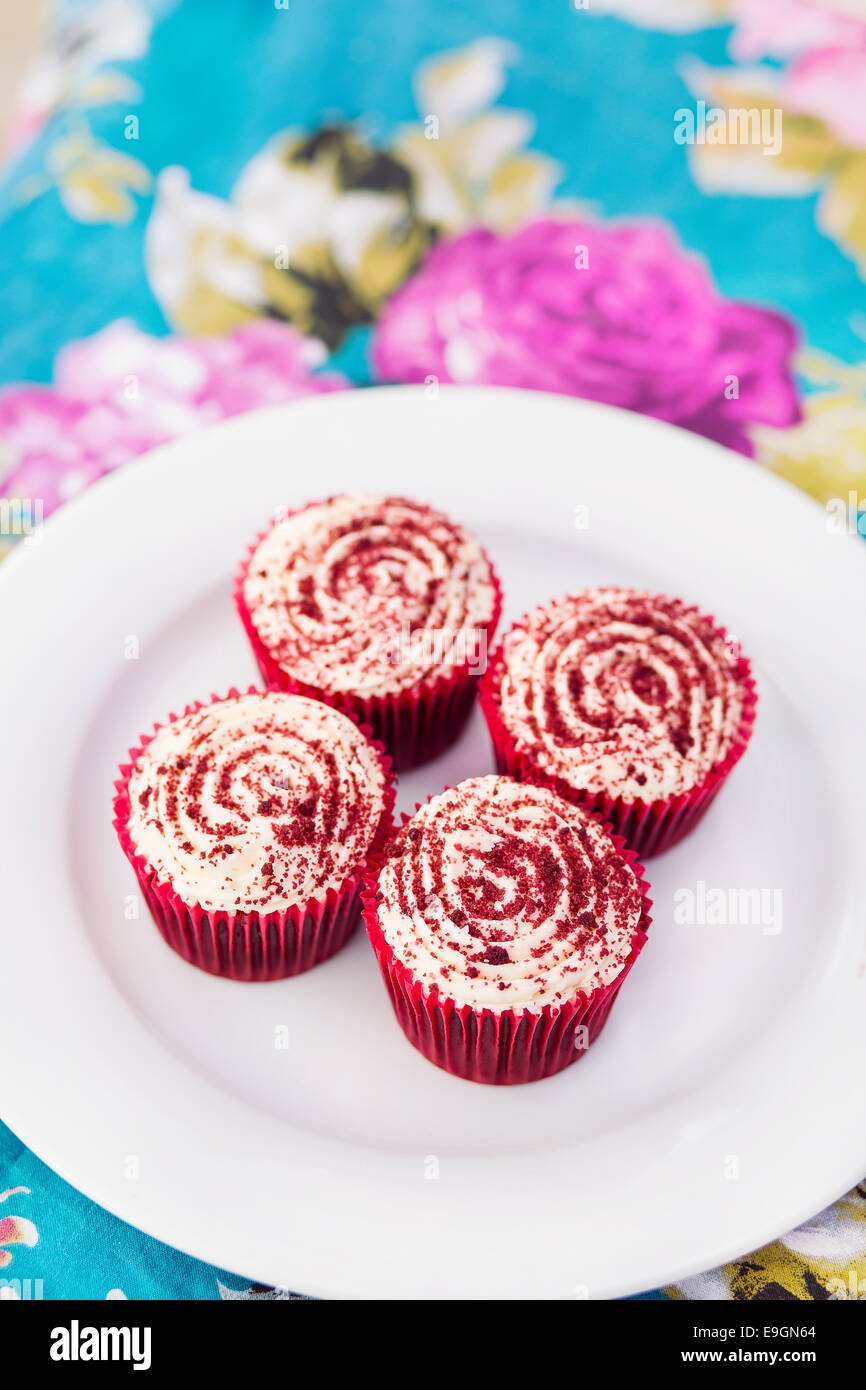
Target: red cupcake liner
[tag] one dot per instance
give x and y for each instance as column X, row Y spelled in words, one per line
column 648, row 827
column 415, row 725
column 251, row 945
column 499, row 1049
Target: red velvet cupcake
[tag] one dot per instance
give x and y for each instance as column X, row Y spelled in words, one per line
column 630, row 703
column 504, row 921
column 380, row 606
column 249, row 823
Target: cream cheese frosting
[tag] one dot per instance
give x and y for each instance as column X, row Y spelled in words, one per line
column 258, row 802
column 620, row 691
column 502, row 895
column 369, row 595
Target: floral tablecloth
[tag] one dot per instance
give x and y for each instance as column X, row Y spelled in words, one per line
column 205, row 208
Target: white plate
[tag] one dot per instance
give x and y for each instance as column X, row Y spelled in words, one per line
column 723, row 1104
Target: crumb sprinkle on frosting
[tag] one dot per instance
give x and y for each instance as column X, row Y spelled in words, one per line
column 502, row 895
column 368, row 594
column 258, row 802
column 620, row 691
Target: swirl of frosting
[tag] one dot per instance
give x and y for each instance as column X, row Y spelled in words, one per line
column 369, row 594
column 257, row 802
column 622, row 692
column 502, row 895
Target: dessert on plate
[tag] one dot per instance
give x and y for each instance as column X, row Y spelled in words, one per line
column 504, row 920
column 249, row 822
column 633, row 704
column 379, row 605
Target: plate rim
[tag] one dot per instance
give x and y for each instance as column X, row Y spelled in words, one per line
column 195, row 445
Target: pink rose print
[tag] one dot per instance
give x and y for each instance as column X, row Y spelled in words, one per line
column 782, row 28
column 831, row 85
column 15, row 1230
column 122, row 392
column 826, row 77
column 614, row 313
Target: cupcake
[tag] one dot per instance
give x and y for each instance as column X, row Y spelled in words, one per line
column 633, row 704
column 380, row 606
column 504, row 921
column 249, row 822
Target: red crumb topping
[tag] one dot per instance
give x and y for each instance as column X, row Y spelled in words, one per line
column 527, row 883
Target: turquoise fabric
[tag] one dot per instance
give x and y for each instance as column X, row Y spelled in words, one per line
column 218, row 81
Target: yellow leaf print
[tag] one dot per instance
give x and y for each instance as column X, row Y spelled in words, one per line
column 842, row 209
column 823, row 1259
column 810, row 156
column 94, row 181
column 826, row 453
